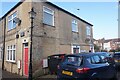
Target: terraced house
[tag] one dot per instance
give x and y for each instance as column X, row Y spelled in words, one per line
column 55, row 31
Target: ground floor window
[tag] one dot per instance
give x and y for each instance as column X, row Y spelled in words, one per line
column 91, row 47
column 75, row 49
column 11, row 53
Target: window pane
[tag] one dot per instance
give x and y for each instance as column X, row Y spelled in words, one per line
column 92, row 60
column 74, row 26
column 97, row 59
column 11, row 47
column 89, row 60
column 13, row 54
column 48, row 10
column 14, row 46
column 10, row 54
column 48, row 19
column 14, row 15
column 8, row 47
column 10, row 23
column 73, row 60
column 9, row 18
column 75, row 50
column 88, row 32
column 14, row 25
column 104, row 59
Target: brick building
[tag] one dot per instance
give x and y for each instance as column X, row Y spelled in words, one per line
column 55, row 31
column 111, row 44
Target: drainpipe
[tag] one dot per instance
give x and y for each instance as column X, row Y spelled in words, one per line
column 4, row 43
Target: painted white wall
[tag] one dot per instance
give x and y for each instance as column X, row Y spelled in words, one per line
column 107, row 46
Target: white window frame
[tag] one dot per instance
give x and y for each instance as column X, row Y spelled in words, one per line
column 75, row 46
column 88, row 30
column 11, row 19
column 50, row 14
column 11, row 50
column 75, row 23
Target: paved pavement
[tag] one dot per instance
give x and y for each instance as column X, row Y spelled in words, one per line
column 48, row 76
column 10, row 76
column 5, row 75
column 53, row 77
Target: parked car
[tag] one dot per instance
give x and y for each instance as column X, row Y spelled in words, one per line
column 53, row 61
column 86, row 66
column 116, row 57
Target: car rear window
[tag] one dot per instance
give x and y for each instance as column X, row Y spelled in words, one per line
column 73, row 60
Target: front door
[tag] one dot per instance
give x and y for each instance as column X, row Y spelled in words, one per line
column 26, row 59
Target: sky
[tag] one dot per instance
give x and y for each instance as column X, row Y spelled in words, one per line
column 103, row 15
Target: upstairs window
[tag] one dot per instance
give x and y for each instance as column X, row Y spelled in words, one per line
column 48, row 16
column 74, row 26
column 88, row 31
column 11, row 23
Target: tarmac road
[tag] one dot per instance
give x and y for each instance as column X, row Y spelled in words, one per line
column 51, row 77
column 54, row 77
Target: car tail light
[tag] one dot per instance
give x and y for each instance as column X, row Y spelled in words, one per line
column 82, row 70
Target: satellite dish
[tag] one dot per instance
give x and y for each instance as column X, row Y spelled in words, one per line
column 17, row 20
column 87, row 40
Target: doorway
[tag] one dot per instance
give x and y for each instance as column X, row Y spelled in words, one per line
column 25, row 59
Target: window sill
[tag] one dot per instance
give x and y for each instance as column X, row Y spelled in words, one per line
column 48, row 25
column 10, row 61
column 88, row 35
column 11, row 29
column 75, row 32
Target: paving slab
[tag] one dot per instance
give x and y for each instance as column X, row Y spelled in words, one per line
column 11, row 76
